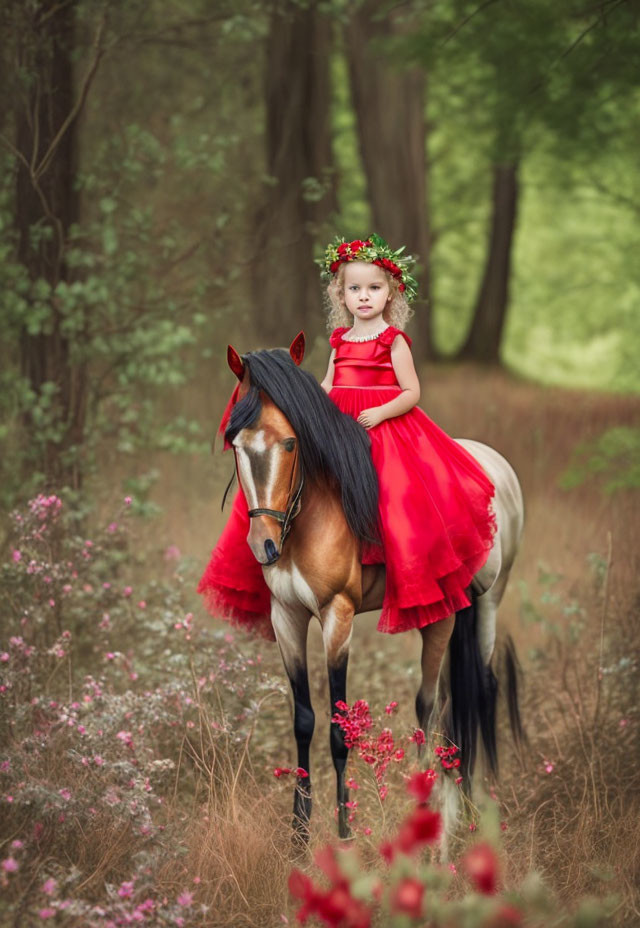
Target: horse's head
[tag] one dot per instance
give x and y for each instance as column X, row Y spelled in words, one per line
column 268, row 463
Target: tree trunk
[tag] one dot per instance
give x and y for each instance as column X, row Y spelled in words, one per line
column 46, row 206
column 489, row 315
column 389, row 103
column 301, row 196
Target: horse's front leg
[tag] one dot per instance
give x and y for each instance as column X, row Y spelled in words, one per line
column 435, row 639
column 291, row 627
column 337, row 624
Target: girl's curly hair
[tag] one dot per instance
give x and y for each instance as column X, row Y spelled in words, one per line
column 397, row 312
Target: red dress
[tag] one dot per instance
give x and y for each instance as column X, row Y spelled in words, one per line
column 436, row 519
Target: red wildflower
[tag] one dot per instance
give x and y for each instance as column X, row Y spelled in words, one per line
column 334, row 267
column 301, row 772
column 507, row 916
column 418, row 737
column 407, row 897
column 335, row 906
column 423, row 826
column 327, row 861
column 391, row 708
column 420, row 785
column 281, row 771
column 481, row 866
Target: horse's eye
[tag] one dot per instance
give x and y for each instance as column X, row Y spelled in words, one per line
column 289, row 444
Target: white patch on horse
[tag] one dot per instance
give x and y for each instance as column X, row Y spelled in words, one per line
column 257, row 442
column 246, row 476
column 288, row 586
column 329, row 622
column 278, row 579
column 303, row 591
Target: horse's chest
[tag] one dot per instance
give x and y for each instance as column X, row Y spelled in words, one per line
column 288, row 586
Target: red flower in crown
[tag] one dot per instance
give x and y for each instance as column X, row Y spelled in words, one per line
column 376, row 251
column 389, row 266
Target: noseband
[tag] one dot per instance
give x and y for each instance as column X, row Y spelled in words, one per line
column 285, row 517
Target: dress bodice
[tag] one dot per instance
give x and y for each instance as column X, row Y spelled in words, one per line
column 366, row 363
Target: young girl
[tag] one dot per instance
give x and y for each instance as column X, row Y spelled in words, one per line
column 435, row 516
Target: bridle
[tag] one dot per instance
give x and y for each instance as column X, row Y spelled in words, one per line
column 285, row 517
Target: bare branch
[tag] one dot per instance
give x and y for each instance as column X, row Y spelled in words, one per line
column 76, row 109
column 480, row 9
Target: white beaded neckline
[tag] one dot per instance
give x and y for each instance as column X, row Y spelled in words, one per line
column 366, row 338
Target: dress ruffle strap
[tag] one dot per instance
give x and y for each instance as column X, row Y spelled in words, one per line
column 336, row 336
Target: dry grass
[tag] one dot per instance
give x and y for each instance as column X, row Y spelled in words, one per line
column 577, row 824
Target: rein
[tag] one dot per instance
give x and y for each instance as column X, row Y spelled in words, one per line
column 285, row 517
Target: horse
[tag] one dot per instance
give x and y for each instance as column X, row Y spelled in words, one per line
column 305, row 469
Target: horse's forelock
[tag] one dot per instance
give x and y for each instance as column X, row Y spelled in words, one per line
column 332, row 445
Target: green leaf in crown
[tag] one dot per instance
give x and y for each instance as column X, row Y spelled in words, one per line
column 373, row 250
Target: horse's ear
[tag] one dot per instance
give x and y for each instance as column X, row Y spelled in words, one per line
column 235, row 362
column 296, row 348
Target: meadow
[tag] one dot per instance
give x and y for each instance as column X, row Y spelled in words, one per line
column 140, row 737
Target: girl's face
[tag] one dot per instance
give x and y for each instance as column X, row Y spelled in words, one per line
column 366, row 290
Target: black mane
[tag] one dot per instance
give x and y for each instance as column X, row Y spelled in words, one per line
column 332, row 445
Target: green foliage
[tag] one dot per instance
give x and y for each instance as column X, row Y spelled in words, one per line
column 549, row 88
column 613, row 458
column 118, row 718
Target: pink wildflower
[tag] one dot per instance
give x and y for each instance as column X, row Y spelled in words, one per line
column 481, row 866
column 112, row 527
column 185, row 899
column 126, row 890
column 4, row 657
column 407, row 897
column 128, row 590
column 142, row 604
column 391, row 708
column 549, row 767
column 10, row 865
column 127, row 500
column 49, row 886
column 46, row 913
column 16, row 556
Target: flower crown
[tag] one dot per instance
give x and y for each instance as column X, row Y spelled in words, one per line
column 373, row 250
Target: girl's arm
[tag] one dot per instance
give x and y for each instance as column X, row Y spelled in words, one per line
column 405, row 372
column 327, row 383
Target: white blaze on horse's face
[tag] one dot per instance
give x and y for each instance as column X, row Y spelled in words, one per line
column 267, row 463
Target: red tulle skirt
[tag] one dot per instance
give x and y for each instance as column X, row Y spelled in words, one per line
column 436, row 521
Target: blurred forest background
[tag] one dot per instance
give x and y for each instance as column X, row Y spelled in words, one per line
column 169, row 172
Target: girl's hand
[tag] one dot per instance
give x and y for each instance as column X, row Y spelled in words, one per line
column 371, row 417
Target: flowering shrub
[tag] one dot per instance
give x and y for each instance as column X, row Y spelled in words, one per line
column 115, row 710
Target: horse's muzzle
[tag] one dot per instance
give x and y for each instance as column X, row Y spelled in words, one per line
column 271, row 551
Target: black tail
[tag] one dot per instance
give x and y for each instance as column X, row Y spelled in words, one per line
column 513, row 672
column 474, row 692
